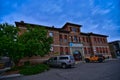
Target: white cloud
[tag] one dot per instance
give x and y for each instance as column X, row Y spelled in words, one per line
column 51, row 8
column 11, row 18
column 97, row 10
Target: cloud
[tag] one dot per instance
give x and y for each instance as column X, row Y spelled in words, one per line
column 18, row 17
column 100, row 11
column 99, row 16
column 51, row 8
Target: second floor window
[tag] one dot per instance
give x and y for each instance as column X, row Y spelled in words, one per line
column 60, row 38
column 83, row 39
column 65, row 38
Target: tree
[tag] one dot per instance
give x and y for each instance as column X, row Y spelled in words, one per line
column 9, row 45
column 35, row 41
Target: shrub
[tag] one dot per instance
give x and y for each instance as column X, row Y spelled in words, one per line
column 34, row 69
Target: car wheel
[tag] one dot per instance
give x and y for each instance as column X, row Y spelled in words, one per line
column 100, row 60
column 64, row 66
column 87, row 60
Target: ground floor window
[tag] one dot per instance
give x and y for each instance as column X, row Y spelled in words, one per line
column 66, row 50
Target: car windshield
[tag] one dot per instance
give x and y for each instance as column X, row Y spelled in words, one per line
column 71, row 57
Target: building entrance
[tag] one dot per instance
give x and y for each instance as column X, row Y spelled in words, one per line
column 77, row 55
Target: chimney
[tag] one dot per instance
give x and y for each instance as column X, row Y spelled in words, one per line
column 22, row 21
column 53, row 27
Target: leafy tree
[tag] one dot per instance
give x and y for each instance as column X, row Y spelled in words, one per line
column 35, row 41
column 9, row 45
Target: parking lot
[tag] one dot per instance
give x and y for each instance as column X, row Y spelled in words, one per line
column 109, row 70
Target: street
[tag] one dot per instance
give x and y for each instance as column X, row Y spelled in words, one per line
column 109, row 70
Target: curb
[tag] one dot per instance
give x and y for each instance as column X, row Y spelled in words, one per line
column 4, row 69
column 10, row 76
column 112, row 59
column 78, row 62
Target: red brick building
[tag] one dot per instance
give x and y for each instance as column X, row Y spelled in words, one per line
column 70, row 40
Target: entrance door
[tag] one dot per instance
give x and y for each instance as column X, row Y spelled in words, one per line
column 77, row 55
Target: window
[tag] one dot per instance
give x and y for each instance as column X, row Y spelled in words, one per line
column 100, row 50
column 87, row 39
column 71, row 39
column 95, row 39
column 63, row 58
column 89, row 50
column 101, row 40
column 75, row 38
column 105, row 41
column 51, row 48
column 60, row 38
column 103, row 50
column 106, row 49
column 70, row 28
column 51, row 34
column 78, row 30
column 65, row 38
column 83, row 39
column 61, row 50
column 98, row 39
column 74, row 29
column 97, row 49
column 79, row 39
column 66, row 50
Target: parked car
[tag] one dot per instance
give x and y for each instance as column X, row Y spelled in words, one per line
column 63, row 61
column 95, row 58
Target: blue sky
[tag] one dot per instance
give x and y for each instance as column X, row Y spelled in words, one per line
column 98, row 16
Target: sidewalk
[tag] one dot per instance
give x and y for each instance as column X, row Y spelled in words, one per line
column 2, row 71
column 77, row 62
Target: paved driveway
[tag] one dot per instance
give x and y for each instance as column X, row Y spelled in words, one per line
column 110, row 70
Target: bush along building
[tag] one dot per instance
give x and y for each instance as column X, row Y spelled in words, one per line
column 70, row 40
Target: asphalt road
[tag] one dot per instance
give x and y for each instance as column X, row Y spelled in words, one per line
column 109, row 70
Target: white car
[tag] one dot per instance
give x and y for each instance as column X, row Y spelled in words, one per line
column 63, row 61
